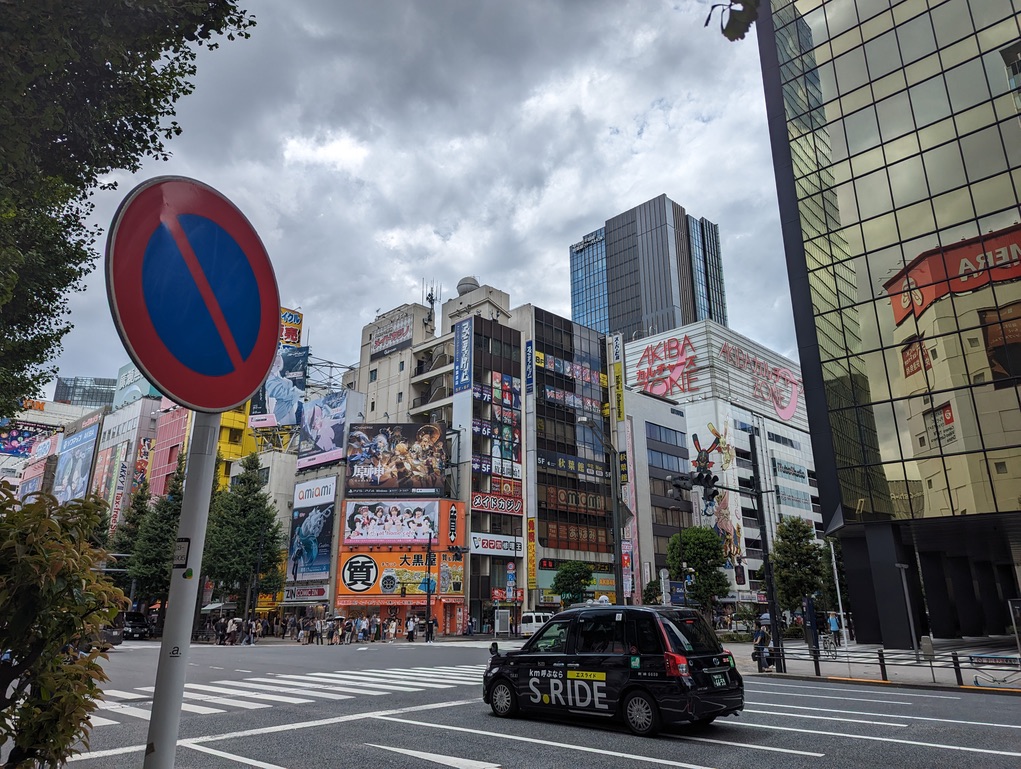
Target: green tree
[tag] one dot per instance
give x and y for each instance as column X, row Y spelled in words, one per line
column 245, row 541
column 572, row 580
column 652, row 593
column 701, row 549
column 152, row 558
column 797, row 562
column 87, row 88
column 736, row 17
column 51, row 595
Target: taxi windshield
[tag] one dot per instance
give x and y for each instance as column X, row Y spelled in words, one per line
column 690, row 633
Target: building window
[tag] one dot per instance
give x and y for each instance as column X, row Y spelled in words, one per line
column 1001, row 468
column 372, row 374
column 400, row 366
column 400, row 397
column 234, row 435
column 372, row 406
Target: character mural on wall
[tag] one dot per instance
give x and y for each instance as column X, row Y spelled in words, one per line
column 716, row 512
column 730, row 533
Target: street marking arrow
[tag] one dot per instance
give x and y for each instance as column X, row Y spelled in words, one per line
column 457, row 763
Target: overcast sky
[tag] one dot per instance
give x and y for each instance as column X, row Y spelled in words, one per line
column 380, row 144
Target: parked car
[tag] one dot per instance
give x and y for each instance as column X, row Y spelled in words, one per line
column 648, row 665
column 135, row 625
column 533, row 620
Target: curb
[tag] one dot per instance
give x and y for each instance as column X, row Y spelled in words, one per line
column 883, row 682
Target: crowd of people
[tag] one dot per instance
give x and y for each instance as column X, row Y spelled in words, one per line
column 331, row 631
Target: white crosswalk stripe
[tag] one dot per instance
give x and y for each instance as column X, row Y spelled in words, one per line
column 259, row 692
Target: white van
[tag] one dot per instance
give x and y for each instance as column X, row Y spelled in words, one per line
column 533, row 620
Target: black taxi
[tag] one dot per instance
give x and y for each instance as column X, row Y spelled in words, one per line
column 649, row 665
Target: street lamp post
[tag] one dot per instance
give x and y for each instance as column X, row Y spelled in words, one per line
column 618, row 568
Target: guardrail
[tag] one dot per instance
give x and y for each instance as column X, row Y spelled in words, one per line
column 979, row 670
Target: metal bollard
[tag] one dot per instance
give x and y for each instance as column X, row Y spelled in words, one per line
column 815, row 661
column 882, row 665
column 957, row 668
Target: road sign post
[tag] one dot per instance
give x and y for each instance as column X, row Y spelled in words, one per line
column 195, row 301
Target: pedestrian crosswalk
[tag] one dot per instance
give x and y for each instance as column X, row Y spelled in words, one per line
column 259, row 692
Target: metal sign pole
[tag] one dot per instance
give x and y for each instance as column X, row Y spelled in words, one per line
column 161, row 744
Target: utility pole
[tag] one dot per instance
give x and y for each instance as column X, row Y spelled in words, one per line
column 767, row 565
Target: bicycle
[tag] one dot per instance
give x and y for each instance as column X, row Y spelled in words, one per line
column 829, row 647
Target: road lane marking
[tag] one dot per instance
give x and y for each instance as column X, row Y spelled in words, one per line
column 744, row 745
column 100, row 721
column 117, row 694
column 343, row 678
column 435, row 758
column 546, row 743
column 856, row 689
column 243, row 687
column 278, row 728
column 872, row 738
column 329, row 684
column 899, row 715
column 825, row 718
column 369, row 675
column 239, row 670
column 125, row 710
column 828, row 697
column 253, row 695
column 231, row 756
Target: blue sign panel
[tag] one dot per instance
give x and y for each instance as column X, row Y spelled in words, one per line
column 463, row 355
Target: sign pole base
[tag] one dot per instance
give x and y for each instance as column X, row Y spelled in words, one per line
column 161, row 743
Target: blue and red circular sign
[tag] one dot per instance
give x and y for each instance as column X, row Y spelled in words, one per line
column 193, row 293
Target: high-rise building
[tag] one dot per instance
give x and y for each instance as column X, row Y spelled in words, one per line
column 649, row 269
column 85, row 391
column 897, row 153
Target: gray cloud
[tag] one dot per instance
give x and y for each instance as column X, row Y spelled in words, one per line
column 378, row 145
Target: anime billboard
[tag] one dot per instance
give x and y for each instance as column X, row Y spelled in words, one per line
column 404, row 522
column 396, row 460
column 311, row 534
column 323, row 430
column 17, row 438
column 278, row 402
column 74, row 466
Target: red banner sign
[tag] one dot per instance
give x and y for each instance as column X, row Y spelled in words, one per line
column 959, row 269
column 497, row 503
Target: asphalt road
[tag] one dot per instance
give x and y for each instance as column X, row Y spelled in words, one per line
column 412, row 705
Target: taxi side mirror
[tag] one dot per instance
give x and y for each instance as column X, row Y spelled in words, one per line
column 494, row 649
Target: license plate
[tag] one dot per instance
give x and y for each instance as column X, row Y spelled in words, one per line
column 719, row 680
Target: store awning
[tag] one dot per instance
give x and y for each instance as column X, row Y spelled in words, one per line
column 217, row 607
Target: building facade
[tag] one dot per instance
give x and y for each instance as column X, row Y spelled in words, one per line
column 649, row 269
column 897, row 152
column 94, row 392
column 738, row 413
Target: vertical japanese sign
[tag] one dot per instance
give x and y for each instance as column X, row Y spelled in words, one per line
column 463, row 355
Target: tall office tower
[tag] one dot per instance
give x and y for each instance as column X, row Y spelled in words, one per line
column 897, row 154
column 649, row 269
column 85, row 391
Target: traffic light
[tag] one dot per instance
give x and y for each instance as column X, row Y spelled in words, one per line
column 678, row 483
column 711, row 492
column 404, row 591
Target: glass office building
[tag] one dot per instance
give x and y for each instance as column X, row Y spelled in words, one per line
column 649, row 269
column 897, row 150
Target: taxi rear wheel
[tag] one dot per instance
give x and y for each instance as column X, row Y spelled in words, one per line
column 641, row 714
column 502, row 700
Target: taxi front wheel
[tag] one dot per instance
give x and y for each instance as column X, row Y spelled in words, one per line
column 641, row 714
column 502, row 700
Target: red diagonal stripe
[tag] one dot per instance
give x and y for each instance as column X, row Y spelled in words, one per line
column 205, row 290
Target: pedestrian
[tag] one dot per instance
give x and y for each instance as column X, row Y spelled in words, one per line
column 393, row 629
column 834, row 625
column 373, row 628
column 319, row 632
column 850, row 627
column 232, row 631
column 348, row 630
column 292, row 627
column 329, row 632
column 761, row 641
column 221, row 631
column 410, row 628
